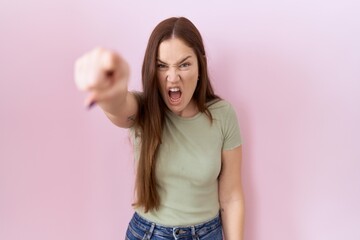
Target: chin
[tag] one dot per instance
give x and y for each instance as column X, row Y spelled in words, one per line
column 175, row 109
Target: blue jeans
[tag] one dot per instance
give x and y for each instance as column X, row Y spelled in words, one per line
column 141, row 229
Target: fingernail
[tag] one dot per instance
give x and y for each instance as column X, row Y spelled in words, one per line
column 91, row 105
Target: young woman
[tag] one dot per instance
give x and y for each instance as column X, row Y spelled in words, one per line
column 186, row 139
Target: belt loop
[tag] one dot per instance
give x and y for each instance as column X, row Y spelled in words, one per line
column 174, row 232
column 150, row 232
column 193, row 233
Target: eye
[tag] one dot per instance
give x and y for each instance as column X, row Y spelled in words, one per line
column 161, row 66
column 185, row 65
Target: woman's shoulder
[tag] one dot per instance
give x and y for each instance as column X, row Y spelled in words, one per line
column 222, row 110
column 218, row 105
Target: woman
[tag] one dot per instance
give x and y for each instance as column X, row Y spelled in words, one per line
column 186, row 139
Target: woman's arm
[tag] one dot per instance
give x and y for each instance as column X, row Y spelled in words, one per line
column 104, row 75
column 231, row 195
column 122, row 112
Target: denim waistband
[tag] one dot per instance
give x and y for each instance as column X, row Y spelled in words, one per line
column 176, row 231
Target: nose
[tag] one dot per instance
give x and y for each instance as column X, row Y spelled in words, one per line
column 172, row 76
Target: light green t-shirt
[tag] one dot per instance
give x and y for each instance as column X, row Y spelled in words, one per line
column 189, row 163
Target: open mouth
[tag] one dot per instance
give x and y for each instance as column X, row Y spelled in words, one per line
column 174, row 94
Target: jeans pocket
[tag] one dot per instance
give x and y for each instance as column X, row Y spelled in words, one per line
column 135, row 233
column 212, row 234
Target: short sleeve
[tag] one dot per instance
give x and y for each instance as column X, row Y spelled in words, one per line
column 231, row 129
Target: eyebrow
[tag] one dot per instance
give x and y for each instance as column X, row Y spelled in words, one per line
column 181, row 61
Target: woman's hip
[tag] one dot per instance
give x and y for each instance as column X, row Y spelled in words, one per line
column 142, row 229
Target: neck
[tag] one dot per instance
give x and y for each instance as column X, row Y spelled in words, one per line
column 190, row 111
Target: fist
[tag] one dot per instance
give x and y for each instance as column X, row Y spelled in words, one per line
column 102, row 73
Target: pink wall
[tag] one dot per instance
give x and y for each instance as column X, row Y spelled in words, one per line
column 290, row 69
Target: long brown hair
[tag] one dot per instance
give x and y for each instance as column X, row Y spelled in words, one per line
column 151, row 114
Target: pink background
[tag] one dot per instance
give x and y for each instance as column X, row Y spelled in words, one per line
column 290, row 68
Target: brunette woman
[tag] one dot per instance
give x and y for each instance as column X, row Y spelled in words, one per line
column 186, row 139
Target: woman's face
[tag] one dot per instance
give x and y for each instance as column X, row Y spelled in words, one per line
column 177, row 73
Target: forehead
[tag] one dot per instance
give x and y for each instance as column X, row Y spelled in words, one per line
column 173, row 50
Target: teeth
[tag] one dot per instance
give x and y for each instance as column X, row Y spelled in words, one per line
column 175, row 89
